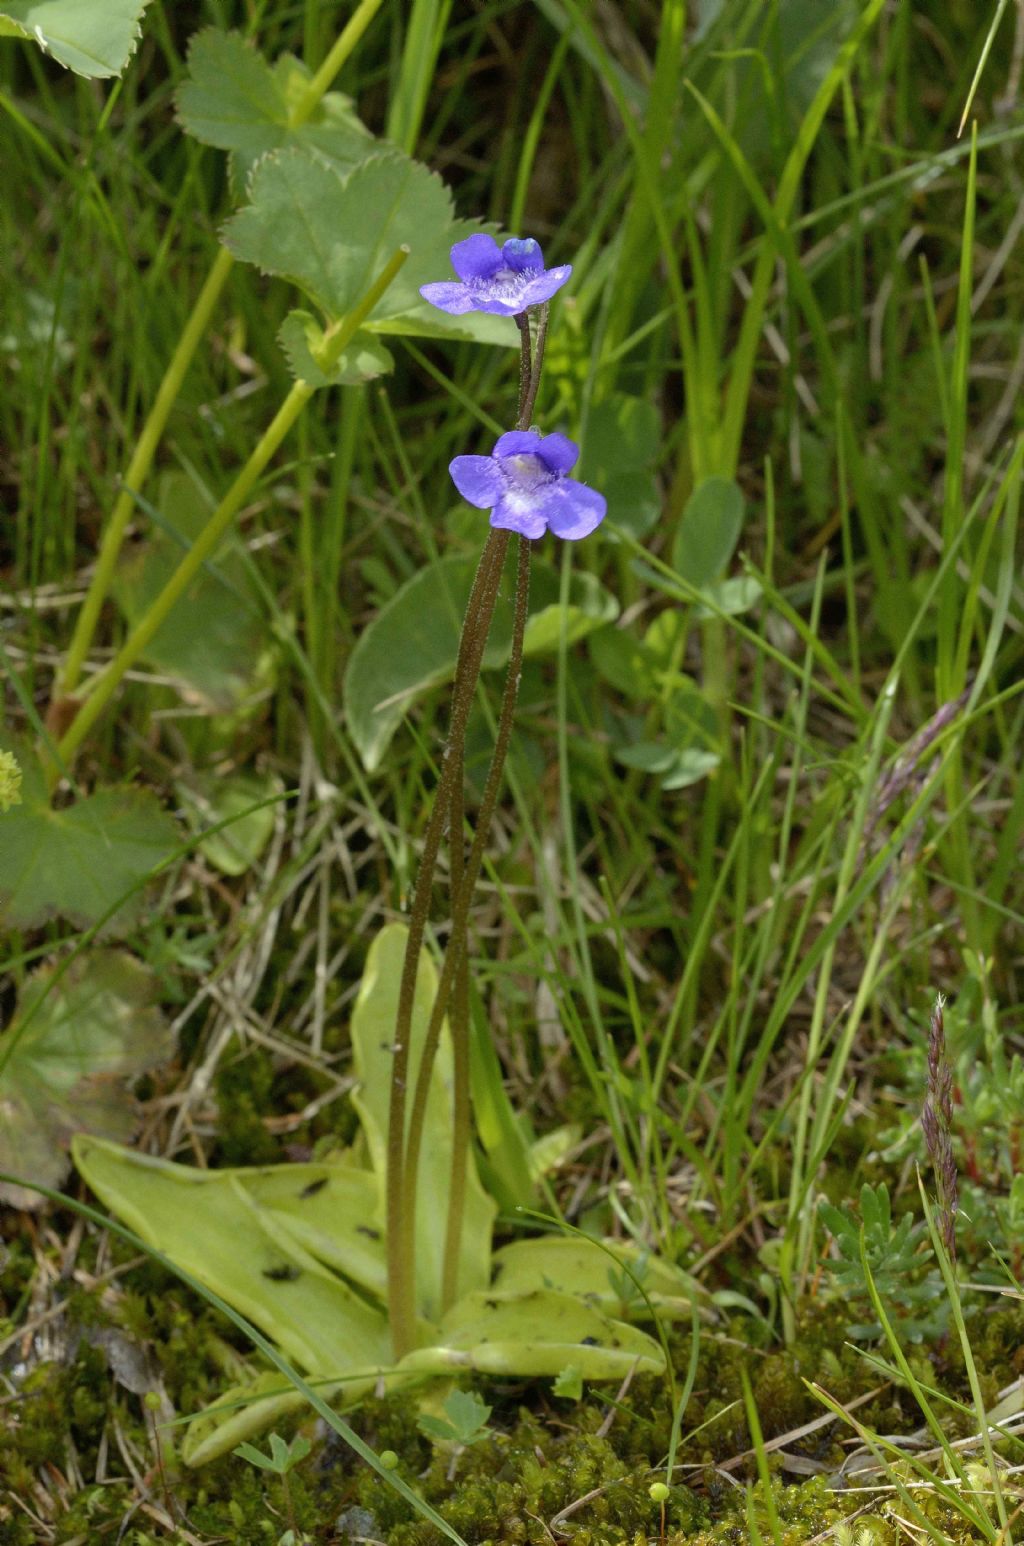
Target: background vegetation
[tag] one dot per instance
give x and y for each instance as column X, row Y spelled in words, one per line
column 761, row 809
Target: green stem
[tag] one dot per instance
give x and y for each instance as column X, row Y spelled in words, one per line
column 462, row 898
column 347, row 39
column 400, row 1202
column 103, row 686
column 138, row 467
column 170, row 386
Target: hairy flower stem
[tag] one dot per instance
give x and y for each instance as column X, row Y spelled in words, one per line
column 170, row 386
column 456, row 954
column 453, row 989
column 530, row 371
column 401, row 1201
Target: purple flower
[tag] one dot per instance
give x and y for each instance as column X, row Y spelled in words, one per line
column 503, row 280
column 524, row 485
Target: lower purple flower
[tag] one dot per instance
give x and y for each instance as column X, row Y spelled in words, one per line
column 525, row 486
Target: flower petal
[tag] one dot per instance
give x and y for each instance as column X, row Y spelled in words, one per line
column 477, row 479
column 518, row 442
column 558, row 453
column 484, row 300
column 543, row 287
column 448, row 296
column 477, row 257
column 522, row 253
column 571, row 509
column 521, row 515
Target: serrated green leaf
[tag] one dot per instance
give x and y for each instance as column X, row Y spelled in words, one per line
column 77, row 861
column 467, row 1412
column 569, row 1383
column 255, row 1456
column 372, row 1032
column 436, row 1428
column 301, row 337
column 412, row 643
column 90, row 37
column 73, row 1042
column 233, row 99
column 708, row 532
column 332, row 232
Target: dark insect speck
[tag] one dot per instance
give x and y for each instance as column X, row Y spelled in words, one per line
column 364, row 1229
column 282, row 1274
column 590, row 1342
column 314, row 1187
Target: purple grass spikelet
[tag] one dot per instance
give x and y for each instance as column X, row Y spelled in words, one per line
column 937, row 1122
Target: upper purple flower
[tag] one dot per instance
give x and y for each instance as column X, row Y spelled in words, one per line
column 524, row 485
column 503, row 280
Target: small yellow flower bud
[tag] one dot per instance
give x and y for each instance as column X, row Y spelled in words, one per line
column 10, row 781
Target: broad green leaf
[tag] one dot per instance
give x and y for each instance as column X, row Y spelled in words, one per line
column 582, row 1268
column 334, row 1211
column 590, row 606
column 64, row 1060
column 535, row 1333
column 688, row 749
column 78, row 860
column 412, row 643
column 301, row 337
column 208, row 799
column 731, row 596
column 504, row 1133
column 215, row 641
column 623, row 438
column 708, row 532
column 232, row 1244
column 331, row 233
column 548, row 1151
column 235, row 100
column 624, row 661
column 689, row 765
column 91, row 37
column 373, row 1032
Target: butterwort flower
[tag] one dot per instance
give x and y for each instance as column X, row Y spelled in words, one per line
column 525, row 485
column 502, row 280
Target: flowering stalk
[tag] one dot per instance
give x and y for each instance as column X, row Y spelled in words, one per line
column 525, row 485
column 170, row 386
column 404, row 1144
column 400, row 1202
